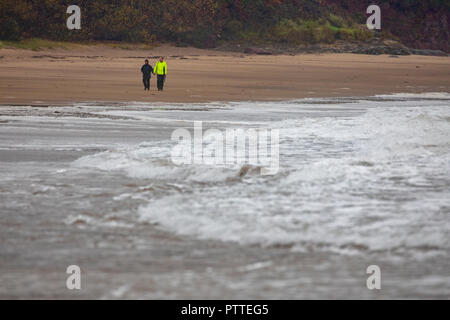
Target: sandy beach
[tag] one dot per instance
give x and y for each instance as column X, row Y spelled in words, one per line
column 102, row 73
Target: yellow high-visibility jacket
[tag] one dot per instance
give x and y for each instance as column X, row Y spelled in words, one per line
column 161, row 68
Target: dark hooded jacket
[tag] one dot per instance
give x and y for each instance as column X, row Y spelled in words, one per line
column 146, row 71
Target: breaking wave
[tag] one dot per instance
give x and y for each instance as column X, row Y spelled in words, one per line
column 377, row 180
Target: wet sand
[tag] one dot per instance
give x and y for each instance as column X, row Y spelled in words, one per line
column 100, row 73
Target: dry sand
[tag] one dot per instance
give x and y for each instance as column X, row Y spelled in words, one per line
column 101, row 73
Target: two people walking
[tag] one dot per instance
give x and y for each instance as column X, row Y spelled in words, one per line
column 160, row 70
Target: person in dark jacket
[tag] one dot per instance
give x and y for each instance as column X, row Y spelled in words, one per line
column 147, row 71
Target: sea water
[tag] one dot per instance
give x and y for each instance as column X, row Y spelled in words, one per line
column 361, row 181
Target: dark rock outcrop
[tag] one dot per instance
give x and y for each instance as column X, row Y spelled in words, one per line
column 377, row 50
column 424, row 52
column 253, row 50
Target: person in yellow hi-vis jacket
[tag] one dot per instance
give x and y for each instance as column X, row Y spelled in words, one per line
column 161, row 71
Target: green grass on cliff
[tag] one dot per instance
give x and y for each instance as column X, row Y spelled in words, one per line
column 35, row 44
column 296, row 32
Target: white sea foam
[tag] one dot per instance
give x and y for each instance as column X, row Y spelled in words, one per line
column 152, row 161
column 376, row 179
column 425, row 95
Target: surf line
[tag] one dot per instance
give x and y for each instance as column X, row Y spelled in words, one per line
column 193, row 310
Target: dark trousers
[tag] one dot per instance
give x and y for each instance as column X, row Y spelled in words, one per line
column 161, row 79
column 146, row 81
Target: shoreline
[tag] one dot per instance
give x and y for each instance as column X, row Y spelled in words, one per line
column 150, row 103
column 98, row 74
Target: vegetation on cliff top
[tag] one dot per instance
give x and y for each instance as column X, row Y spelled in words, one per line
column 204, row 23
